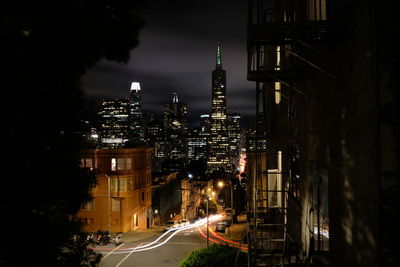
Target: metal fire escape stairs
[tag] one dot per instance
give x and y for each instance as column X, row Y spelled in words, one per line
column 279, row 53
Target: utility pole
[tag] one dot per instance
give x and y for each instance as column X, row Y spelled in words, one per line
column 109, row 203
column 207, row 219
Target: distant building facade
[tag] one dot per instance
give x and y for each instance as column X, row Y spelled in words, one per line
column 122, row 198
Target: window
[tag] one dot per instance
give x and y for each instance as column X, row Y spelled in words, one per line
column 113, row 164
column 123, row 185
column 142, row 196
column 115, row 204
column 128, row 165
column 89, row 163
column 120, row 165
column 114, row 184
column 90, row 205
column 130, row 184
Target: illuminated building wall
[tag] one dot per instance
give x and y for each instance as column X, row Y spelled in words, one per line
column 219, row 139
column 130, row 190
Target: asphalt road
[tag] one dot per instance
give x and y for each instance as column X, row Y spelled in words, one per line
column 168, row 255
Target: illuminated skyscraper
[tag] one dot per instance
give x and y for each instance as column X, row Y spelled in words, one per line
column 175, row 126
column 114, row 123
column 234, row 137
column 135, row 114
column 219, row 141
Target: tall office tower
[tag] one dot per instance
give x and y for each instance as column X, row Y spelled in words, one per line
column 219, row 143
column 135, row 114
column 114, row 123
column 175, row 127
column 234, row 138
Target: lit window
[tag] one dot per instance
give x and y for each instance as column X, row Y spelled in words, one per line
column 115, row 204
column 113, row 164
column 114, row 184
column 277, row 92
column 120, row 165
column 122, row 185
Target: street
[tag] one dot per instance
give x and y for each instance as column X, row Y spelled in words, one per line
column 169, row 254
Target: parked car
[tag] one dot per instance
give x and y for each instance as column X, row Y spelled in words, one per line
column 220, row 227
column 227, row 222
column 184, row 222
column 171, row 225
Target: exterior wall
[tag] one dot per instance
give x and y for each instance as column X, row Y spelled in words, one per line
column 191, row 197
column 130, row 190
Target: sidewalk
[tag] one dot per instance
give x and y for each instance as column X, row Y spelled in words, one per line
column 237, row 230
column 137, row 235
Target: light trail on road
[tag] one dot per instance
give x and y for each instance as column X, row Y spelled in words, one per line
column 174, row 231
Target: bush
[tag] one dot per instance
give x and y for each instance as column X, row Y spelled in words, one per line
column 214, row 255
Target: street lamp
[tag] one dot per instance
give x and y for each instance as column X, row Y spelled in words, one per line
column 207, row 200
column 221, row 184
column 109, row 204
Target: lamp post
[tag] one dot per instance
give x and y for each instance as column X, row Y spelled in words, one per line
column 221, row 184
column 207, row 199
column 108, row 201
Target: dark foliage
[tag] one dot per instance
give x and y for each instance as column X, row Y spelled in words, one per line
column 212, row 207
column 45, row 48
column 215, row 255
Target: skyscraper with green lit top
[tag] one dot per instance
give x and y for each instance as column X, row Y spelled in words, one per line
column 219, row 139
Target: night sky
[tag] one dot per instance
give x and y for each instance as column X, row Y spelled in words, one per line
column 177, row 54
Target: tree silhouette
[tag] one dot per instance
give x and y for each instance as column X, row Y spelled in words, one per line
column 46, row 47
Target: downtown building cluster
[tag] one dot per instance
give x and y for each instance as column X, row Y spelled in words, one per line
column 139, row 157
column 217, row 143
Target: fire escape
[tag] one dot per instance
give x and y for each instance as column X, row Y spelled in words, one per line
column 284, row 37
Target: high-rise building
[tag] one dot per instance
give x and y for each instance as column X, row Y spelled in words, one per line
column 219, row 139
column 234, row 133
column 114, row 123
column 175, row 127
column 135, row 114
column 196, row 145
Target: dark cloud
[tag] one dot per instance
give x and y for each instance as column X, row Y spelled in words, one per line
column 177, row 54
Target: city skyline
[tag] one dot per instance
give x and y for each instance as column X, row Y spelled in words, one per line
column 176, row 54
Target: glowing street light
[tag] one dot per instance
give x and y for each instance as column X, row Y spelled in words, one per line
column 221, row 184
